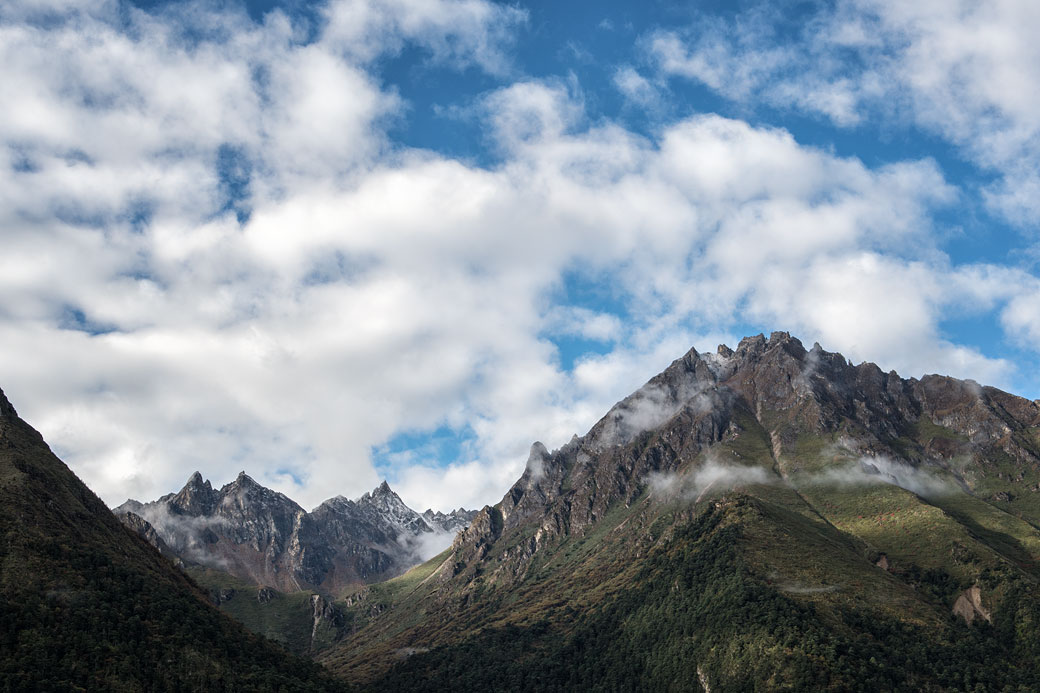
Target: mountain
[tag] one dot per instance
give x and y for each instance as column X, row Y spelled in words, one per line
column 452, row 523
column 768, row 517
column 262, row 537
column 88, row 605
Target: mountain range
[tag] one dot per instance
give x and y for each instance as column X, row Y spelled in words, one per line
column 263, row 537
column 767, row 518
column 760, row 518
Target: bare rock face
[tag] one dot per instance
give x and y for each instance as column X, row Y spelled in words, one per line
column 262, row 536
column 325, row 615
column 969, row 605
column 142, row 528
column 772, row 385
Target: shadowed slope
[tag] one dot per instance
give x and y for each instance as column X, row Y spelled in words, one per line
column 88, row 605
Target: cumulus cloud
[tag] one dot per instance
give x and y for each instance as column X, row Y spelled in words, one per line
column 215, row 258
column 967, row 72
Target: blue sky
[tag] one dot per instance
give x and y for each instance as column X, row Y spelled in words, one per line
column 332, row 242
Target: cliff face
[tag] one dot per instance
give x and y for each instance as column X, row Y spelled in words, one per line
column 261, row 536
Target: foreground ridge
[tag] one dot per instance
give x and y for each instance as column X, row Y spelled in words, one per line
column 87, row 605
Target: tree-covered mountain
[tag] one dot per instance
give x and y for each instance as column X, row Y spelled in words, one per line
column 88, row 605
column 768, row 518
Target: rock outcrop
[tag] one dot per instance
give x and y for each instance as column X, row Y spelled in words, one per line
column 969, row 605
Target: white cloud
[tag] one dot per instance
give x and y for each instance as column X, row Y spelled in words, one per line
column 375, row 289
column 461, row 32
column 1021, row 317
column 966, row 71
column 636, row 88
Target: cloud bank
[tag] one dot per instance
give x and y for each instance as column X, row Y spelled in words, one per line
column 216, row 256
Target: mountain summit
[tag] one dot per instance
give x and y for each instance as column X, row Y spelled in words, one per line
column 760, row 517
column 263, row 537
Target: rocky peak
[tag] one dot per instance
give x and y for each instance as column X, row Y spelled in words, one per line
column 382, row 496
column 772, row 388
column 244, row 481
column 389, row 507
column 258, row 534
column 750, row 347
column 196, row 498
column 536, row 460
column 245, row 495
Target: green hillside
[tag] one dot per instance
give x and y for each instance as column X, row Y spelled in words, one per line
column 794, row 523
column 286, row 618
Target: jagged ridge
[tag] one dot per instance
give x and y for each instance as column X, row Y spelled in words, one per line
column 801, row 453
column 262, row 536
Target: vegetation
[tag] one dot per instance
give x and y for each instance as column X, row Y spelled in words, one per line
column 87, row 605
column 697, row 611
column 287, row 619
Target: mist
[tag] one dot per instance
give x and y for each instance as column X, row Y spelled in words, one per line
column 713, row 476
column 880, row 469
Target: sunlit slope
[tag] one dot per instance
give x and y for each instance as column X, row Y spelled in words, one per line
column 765, row 518
column 744, row 592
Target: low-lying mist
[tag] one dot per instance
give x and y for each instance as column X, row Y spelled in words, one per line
column 713, row 475
column 872, row 470
column 716, row 476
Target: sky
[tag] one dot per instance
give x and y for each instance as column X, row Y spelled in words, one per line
column 334, row 242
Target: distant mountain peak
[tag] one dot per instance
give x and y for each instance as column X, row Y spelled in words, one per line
column 259, row 534
column 195, row 481
column 382, row 493
column 197, row 497
column 244, row 479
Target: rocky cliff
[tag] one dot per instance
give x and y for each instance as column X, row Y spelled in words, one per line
column 264, row 537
